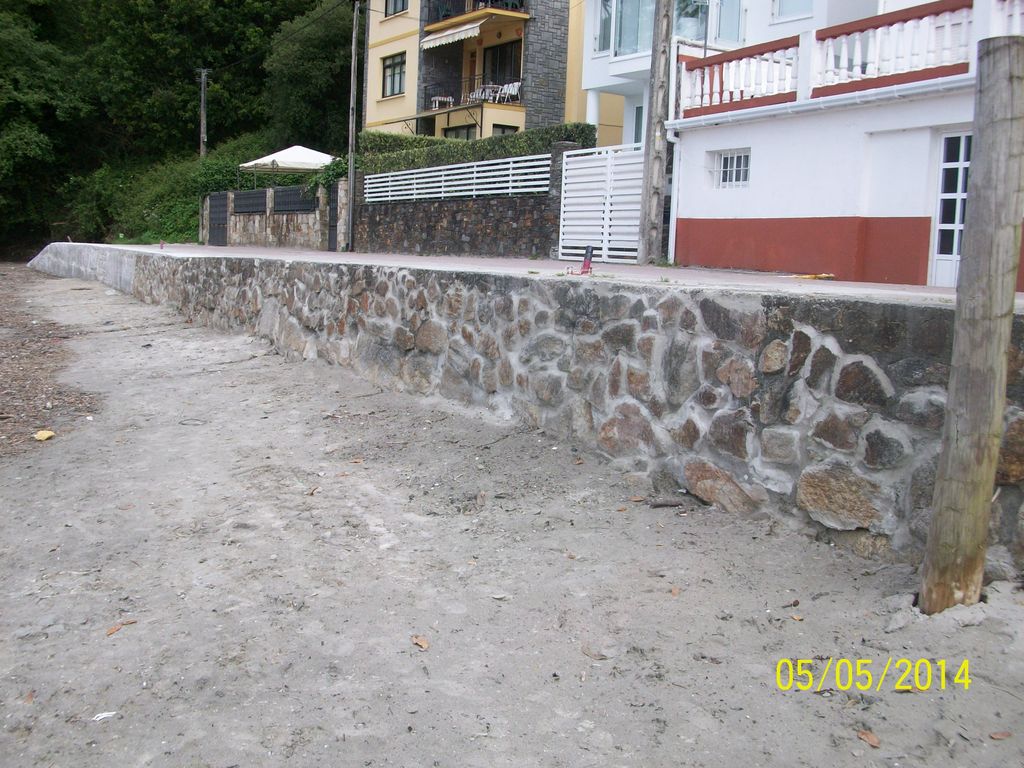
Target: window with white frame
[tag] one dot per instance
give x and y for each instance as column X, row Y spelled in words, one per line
column 604, row 26
column 790, row 9
column 730, row 168
column 391, row 7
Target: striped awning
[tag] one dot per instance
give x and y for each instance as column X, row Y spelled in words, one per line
column 453, row 35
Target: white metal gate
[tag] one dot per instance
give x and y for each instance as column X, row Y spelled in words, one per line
column 601, row 203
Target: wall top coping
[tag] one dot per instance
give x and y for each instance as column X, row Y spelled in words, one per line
column 653, row 279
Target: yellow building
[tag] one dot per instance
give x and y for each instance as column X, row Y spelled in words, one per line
column 610, row 105
column 471, row 69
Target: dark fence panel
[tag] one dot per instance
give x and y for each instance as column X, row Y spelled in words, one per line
column 293, row 200
column 332, row 219
column 218, row 234
column 251, row 201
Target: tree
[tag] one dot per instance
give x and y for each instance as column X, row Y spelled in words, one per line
column 139, row 70
column 36, row 111
column 307, row 85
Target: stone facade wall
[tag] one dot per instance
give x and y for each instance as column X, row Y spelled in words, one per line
column 823, row 410
column 520, row 226
column 545, row 50
column 306, row 230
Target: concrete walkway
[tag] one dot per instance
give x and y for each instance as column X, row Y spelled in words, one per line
column 684, row 277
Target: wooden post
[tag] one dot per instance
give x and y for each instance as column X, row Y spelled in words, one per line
column 652, row 195
column 351, row 245
column 203, row 73
column 955, row 559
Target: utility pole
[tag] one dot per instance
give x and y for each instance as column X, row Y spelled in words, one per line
column 652, row 196
column 203, row 72
column 958, row 535
column 352, row 128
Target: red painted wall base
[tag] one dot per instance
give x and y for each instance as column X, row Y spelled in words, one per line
column 877, row 250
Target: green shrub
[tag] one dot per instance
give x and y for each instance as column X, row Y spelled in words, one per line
column 162, row 201
column 379, row 142
column 536, row 141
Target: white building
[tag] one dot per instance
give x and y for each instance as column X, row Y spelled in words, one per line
column 844, row 149
column 835, row 139
column 617, row 38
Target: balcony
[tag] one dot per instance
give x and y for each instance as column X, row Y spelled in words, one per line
column 926, row 42
column 470, row 91
column 443, row 10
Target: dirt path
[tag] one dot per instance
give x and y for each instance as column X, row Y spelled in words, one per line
column 32, row 352
column 236, row 554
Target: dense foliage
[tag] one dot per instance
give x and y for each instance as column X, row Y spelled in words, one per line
column 99, row 105
column 151, row 202
column 99, row 111
column 380, row 152
column 536, row 141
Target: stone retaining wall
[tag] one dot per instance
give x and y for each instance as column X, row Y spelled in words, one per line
column 819, row 409
column 307, row 230
column 520, row 226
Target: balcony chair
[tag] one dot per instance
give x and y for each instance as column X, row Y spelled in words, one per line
column 508, row 92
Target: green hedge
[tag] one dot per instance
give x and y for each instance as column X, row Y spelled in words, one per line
column 536, row 141
column 379, row 142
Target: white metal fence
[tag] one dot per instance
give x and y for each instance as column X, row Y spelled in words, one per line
column 601, row 203
column 509, row 176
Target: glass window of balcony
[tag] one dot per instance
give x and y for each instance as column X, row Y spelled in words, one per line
column 691, row 19
column 604, row 27
column 503, row 63
column 634, row 25
column 729, row 18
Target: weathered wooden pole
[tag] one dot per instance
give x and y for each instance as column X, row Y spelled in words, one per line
column 955, row 558
column 353, row 88
column 652, row 195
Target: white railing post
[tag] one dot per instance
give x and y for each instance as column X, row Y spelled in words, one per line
column 807, row 62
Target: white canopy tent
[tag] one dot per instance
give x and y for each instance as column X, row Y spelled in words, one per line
column 292, row 160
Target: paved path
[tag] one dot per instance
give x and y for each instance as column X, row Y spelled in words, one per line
column 685, row 277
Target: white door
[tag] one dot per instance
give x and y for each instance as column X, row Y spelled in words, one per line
column 948, row 225
column 601, row 203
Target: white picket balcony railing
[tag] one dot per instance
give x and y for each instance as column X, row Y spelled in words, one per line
column 876, row 48
column 1011, row 20
column 725, row 80
column 510, row 176
column 933, row 40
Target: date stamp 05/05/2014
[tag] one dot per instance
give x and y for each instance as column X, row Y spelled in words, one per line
column 897, row 674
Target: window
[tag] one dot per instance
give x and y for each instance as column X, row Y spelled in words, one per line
column 503, row 63
column 394, row 75
column 391, row 7
column 604, row 26
column 787, row 9
column 691, row 20
column 731, row 168
column 634, row 25
column 639, row 134
column 502, row 130
column 467, row 132
column 729, row 18
column 949, row 227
